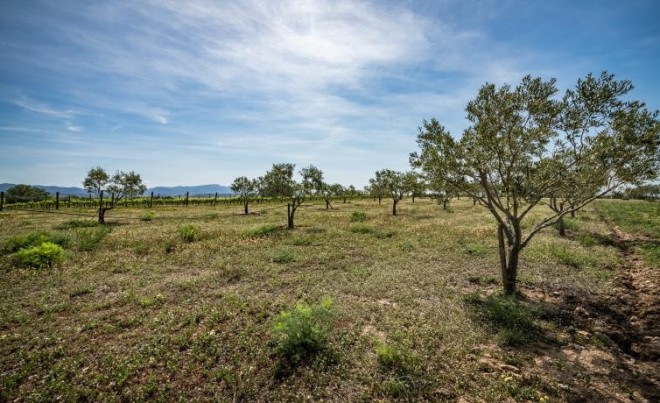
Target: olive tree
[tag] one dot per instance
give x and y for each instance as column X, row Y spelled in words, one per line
column 524, row 147
column 279, row 182
column 414, row 184
column 390, row 183
column 246, row 188
column 120, row 185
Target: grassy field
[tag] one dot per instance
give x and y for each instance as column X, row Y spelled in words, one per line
column 183, row 303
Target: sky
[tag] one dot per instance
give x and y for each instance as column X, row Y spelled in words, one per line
column 197, row 92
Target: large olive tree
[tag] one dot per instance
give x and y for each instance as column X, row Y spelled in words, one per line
column 526, row 147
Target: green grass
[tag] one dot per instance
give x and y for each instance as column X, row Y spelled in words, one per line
column 142, row 314
column 636, row 217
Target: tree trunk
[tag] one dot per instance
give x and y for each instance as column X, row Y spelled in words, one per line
column 413, row 198
column 290, row 211
column 245, row 207
column 444, row 204
column 327, row 204
column 573, row 214
column 379, row 198
column 394, row 202
column 509, row 257
column 560, row 223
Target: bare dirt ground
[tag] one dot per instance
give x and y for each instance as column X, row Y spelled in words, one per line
column 610, row 350
column 607, row 346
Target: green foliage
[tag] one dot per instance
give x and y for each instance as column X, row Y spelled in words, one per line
column 148, row 216
column 188, row 233
column 395, row 357
column 304, row 331
column 89, row 239
column 358, row 216
column 16, row 243
column 361, row 228
column 474, row 249
column 262, row 230
column 47, row 254
column 24, row 193
column 283, row 256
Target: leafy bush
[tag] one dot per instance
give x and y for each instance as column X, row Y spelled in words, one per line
column 45, row 255
column 262, row 230
column 16, row 243
column 88, row 240
column 304, row 331
column 283, row 256
column 188, row 233
column 358, row 216
column 395, row 358
column 302, row 241
column 361, row 229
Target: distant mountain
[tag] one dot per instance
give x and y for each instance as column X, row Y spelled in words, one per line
column 200, row 190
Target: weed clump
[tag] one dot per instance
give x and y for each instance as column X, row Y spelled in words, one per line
column 358, row 216
column 47, row 254
column 261, row 231
column 283, row 256
column 148, row 216
column 361, row 229
column 188, row 233
column 304, row 331
column 90, row 239
column 16, row 243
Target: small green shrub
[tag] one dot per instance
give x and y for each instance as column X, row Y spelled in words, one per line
column 261, row 231
column 395, row 358
column 87, row 240
column 47, row 254
column 358, row 216
column 283, row 256
column 188, row 233
column 303, row 331
column 361, row 228
column 16, row 243
column 587, row 240
column 148, row 216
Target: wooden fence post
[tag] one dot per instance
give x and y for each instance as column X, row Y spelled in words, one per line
column 2, row 200
column 57, row 200
column 215, row 199
column 151, row 200
column 186, row 201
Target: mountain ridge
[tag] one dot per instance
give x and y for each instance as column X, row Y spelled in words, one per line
column 195, row 190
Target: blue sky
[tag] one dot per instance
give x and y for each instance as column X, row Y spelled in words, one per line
column 196, row 92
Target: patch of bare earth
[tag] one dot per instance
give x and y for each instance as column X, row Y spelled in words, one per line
column 607, row 346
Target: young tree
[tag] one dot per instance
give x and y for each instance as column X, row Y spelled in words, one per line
column 391, row 183
column 279, row 182
column 122, row 184
column 246, row 189
column 330, row 191
column 521, row 147
column 414, row 184
column 25, row 193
